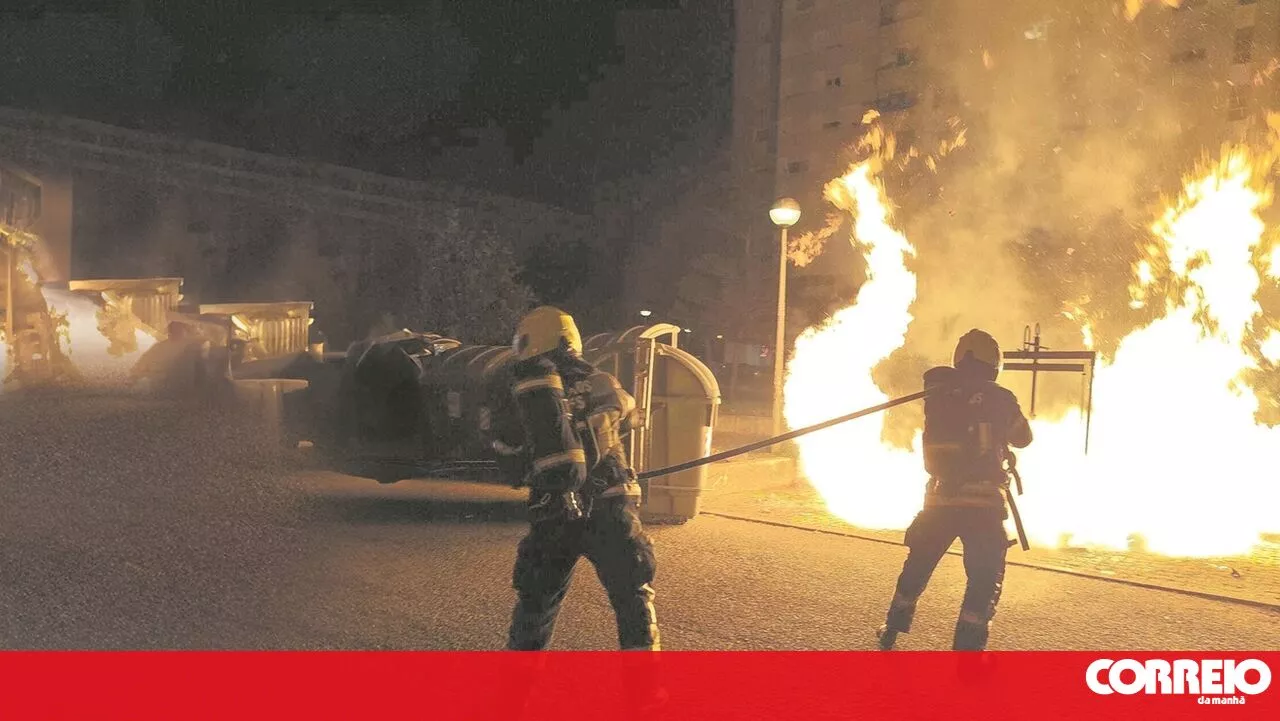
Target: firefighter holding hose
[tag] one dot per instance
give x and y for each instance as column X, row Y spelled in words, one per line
column 970, row 423
column 584, row 497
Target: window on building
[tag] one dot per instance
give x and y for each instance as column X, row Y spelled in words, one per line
column 797, row 166
column 833, row 82
column 895, row 102
column 1246, row 2
column 1244, row 46
column 831, row 124
column 1189, row 56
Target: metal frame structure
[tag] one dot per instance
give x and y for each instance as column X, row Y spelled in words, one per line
column 1035, row 358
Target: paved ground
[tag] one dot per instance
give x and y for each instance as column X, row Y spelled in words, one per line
column 129, row 528
column 1255, row 577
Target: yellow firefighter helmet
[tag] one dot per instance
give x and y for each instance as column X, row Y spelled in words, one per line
column 543, row 330
column 981, row 347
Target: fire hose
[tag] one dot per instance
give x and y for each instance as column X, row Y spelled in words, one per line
column 783, row 438
column 1010, row 461
column 502, row 448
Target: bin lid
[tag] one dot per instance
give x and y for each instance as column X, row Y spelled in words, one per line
column 686, row 375
column 682, row 368
column 631, row 335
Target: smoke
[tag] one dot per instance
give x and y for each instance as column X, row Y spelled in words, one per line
column 1075, row 129
column 1047, row 136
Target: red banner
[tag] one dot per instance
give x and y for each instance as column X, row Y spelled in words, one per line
column 668, row 685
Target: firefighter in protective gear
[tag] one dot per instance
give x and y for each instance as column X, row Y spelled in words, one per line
column 584, row 497
column 970, row 423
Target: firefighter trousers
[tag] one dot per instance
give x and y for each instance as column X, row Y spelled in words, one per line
column 985, row 542
column 615, row 543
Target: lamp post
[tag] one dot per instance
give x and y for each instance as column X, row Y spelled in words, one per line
column 784, row 214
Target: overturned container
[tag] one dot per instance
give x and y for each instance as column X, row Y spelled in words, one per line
column 408, row 403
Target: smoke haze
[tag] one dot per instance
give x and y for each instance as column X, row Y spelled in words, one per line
column 1079, row 126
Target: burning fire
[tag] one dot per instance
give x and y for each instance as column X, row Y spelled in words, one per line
column 69, row 336
column 1176, row 459
column 1133, row 8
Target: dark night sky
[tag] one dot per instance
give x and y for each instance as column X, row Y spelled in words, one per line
column 508, row 62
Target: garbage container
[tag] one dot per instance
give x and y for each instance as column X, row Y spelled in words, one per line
column 686, row 400
column 149, row 299
column 466, row 404
column 677, row 401
column 270, row 330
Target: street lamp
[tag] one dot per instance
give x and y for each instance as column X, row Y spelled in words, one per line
column 784, row 214
column 646, row 313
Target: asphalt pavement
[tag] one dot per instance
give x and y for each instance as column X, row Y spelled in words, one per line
column 144, row 525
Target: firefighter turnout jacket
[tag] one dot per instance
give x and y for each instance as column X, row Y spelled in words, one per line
column 970, row 422
column 574, row 416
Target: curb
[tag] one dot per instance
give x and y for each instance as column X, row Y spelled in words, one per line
column 1206, row 595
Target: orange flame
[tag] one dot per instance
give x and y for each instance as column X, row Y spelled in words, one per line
column 882, row 151
column 1176, row 447
column 90, row 340
column 1134, row 8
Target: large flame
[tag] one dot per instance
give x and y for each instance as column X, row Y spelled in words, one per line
column 102, row 345
column 1133, row 8
column 74, row 337
column 830, row 371
column 1177, row 458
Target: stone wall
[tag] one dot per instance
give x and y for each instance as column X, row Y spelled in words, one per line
column 247, row 226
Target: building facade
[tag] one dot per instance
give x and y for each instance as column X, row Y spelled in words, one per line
column 806, row 71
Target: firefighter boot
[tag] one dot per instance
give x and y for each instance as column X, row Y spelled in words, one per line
column 971, row 635
column 886, row 638
column 637, row 620
column 902, row 611
column 644, row 689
